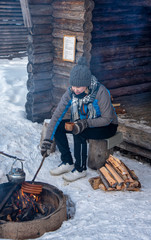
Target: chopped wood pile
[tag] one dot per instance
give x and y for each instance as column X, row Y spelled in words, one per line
column 115, row 176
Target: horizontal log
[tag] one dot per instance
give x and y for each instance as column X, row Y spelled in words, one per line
column 135, row 134
column 74, row 5
column 39, row 86
column 39, row 97
column 45, row 29
column 40, row 2
column 10, row 2
column 38, row 68
column 136, row 149
column 117, row 52
column 40, row 76
column 68, row 5
column 60, row 62
column 11, row 22
column 12, row 28
column 129, row 90
column 38, row 108
column 80, row 36
column 13, row 37
column 42, row 20
column 60, row 81
column 12, row 42
column 75, row 15
column 123, row 63
column 64, row 71
column 136, row 79
column 120, row 27
column 124, row 4
column 124, row 72
column 40, row 48
column 73, row 25
column 39, row 39
column 5, row 13
column 13, row 46
column 40, row 10
column 40, row 58
column 6, row 6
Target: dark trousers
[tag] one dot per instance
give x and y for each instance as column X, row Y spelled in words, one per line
column 80, row 143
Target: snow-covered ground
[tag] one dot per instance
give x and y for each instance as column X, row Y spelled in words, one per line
column 99, row 215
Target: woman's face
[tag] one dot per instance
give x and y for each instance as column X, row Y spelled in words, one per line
column 78, row 90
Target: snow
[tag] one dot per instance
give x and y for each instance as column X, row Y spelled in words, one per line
column 99, row 215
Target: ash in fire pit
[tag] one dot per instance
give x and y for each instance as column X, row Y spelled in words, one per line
column 26, row 215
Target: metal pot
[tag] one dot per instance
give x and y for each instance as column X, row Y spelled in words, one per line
column 16, row 175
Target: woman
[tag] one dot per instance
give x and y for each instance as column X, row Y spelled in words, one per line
column 93, row 116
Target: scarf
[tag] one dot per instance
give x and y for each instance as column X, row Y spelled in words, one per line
column 78, row 103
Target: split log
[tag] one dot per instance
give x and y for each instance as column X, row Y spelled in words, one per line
column 115, row 174
column 95, row 182
column 104, row 181
column 120, row 168
column 74, row 5
column 112, row 182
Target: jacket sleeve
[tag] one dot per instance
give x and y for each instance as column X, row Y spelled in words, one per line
column 58, row 115
column 107, row 114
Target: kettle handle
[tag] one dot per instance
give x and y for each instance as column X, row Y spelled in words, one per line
column 15, row 162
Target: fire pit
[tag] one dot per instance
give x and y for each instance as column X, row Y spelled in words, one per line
column 49, row 220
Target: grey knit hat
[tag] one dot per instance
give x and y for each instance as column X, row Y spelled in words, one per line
column 80, row 75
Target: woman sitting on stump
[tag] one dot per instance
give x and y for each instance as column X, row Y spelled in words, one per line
column 93, row 116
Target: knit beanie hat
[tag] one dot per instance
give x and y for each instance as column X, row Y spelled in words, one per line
column 80, row 75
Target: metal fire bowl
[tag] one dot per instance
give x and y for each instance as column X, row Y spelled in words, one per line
column 36, row 228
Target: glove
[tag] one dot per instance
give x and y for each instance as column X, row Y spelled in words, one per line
column 79, row 126
column 46, row 147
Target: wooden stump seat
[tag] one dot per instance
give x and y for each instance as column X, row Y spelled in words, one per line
column 99, row 150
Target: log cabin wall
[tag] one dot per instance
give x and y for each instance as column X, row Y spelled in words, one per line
column 69, row 18
column 48, row 74
column 121, row 45
column 13, row 34
column 40, row 57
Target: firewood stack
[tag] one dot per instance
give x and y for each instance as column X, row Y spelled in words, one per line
column 115, row 176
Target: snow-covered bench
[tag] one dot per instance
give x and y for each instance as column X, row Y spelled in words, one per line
column 99, row 150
